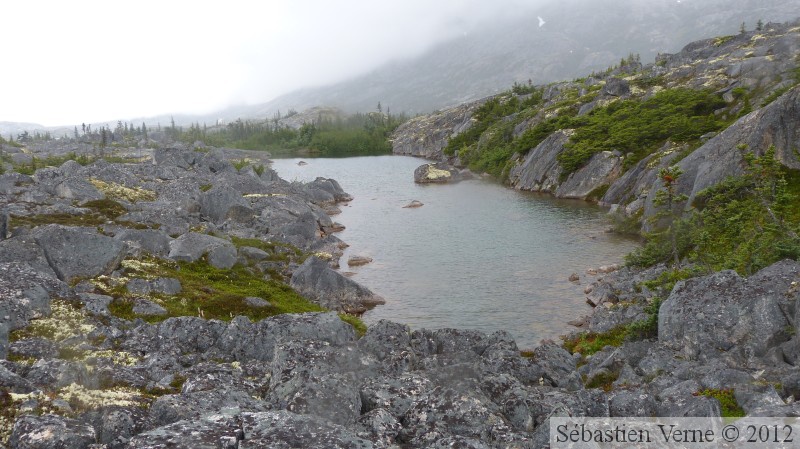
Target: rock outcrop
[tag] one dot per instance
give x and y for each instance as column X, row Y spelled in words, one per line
column 331, row 289
column 426, row 136
column 438, row 173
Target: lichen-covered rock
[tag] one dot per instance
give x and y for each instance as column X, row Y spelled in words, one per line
column 214, row 431
column 435, row 174
column 282, row 429
column 79, row 252
column 171, row 408
column 50, row 432
column 25, row 294
column 443, row 412
column 242, row 340
column 316, row 378
column 315, row 280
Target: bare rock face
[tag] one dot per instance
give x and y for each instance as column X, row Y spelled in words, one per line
column 602, row 169
column 540, row 170
column 330, row 289
column 723, row 312
column 426, row 136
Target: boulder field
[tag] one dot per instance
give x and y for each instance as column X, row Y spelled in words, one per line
column 103, row 344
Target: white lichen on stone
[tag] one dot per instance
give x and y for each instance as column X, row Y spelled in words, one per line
column 139, row 265
column 92, row 399
column 262, row 195
column 117, row 357
column 117, row 191
column 65, row 321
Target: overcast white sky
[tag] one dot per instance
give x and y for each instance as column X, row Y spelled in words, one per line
column 68, row 62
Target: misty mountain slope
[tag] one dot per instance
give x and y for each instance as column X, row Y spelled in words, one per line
column 579, row 36
column 605, row 137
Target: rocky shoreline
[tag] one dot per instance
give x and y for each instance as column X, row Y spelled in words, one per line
column 102, row 346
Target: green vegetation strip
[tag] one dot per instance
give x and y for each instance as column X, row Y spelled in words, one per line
column 206, row 291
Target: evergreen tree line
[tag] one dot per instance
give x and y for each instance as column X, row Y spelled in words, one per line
column 329, row 136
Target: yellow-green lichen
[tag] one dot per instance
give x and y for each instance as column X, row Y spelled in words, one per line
column 82, row 398
column 117, row 191
column 65, row 321
column 435, row 173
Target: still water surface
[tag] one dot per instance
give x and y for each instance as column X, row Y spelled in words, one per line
column 477, row 255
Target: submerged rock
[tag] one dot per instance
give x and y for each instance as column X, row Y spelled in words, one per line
column 413, row 204
column 357, row 261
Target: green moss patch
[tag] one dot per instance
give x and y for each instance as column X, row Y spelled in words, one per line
column 729, row 407
column 206, row 291
column 603, row 380
column 588, row 343
column 101, row 212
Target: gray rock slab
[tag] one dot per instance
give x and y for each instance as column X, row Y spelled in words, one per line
column 252, row 301
column 13, row 382
column 214, row 431
column 315, row 280
column 78, row 189
column 153, row 241
column 250, row 253
column 281, row 429
column 725, row 313
column 3, row 340
column 215, row 203
column 79, row 252
column 171, row 408
column 25, row 249
column 222, row 257
column 192, row 246
column 243, row 340
column 148, row 308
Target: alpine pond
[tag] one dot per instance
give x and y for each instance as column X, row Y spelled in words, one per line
column 477, row 255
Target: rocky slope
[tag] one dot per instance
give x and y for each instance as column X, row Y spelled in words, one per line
column 746, row 70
